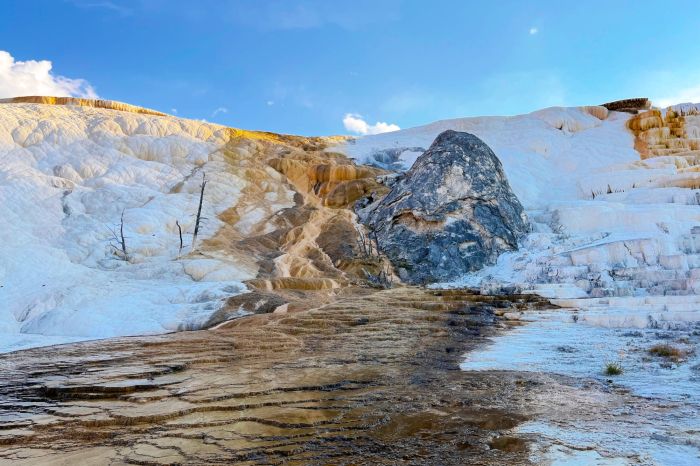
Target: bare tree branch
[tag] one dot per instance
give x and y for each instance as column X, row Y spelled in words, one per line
column 120, row 247
column 199, row 210
column 179, row 229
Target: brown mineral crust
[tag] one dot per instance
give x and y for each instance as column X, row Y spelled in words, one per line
column 351, row 376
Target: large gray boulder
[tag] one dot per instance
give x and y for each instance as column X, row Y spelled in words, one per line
column 453, row 212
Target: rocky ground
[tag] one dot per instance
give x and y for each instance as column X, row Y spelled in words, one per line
column 362, row 376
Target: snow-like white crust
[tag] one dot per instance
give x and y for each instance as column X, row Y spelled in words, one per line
column 687, row 108
column 536, row 149
column 606, row 223
column 68, row 172
column 616, row 243
column 66, row 175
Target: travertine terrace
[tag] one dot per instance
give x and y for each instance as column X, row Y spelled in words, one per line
column 357, row 378
column 332, row 368
column 275, row 212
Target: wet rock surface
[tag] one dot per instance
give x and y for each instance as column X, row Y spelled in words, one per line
column 453, row 212
column 254, row 302
column 362, row 377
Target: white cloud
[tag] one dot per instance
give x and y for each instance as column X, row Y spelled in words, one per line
column 270, row 103
column 104, row 5
column 354, row 123
column 689, row 94
column 219, row 110
column 534, row 31
column 173, row 111
column 31, row 77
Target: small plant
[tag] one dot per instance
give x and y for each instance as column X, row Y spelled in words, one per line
column 613, row 368
column 667, row 351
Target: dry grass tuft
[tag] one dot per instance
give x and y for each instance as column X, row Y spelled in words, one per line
column 667, row 351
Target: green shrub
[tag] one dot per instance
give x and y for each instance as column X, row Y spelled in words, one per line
column 612, row 368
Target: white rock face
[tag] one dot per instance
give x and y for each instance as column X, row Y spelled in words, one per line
column 66, row 175
column 536, row 149
column 606, row 223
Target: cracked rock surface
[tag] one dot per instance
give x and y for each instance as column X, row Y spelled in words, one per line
column 453, row 212
column 363, row 377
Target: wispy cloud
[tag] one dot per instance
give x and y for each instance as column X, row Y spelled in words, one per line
column 356, row 124
column 218, row 111
column 688, row 94
column 533, row 31
column 103, row 5
column 34, row 77
column 310, row 14
column 284, row 93
column 665, row 87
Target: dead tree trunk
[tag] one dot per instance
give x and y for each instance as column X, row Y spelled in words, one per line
column 120, row 247
column 199, row 210
column 121, row 235
column 179, row 229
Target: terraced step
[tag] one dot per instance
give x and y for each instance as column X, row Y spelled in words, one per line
column 358, row 375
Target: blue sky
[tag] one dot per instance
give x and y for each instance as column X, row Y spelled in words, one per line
column 300, row 66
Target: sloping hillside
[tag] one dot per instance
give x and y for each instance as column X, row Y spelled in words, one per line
column 72, row 167
column 612, row 196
